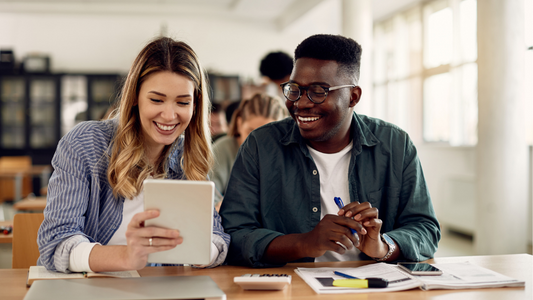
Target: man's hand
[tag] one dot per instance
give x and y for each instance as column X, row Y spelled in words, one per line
column 368, row 216
column 332, row 233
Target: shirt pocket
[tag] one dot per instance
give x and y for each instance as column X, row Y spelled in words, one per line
column 387, row 201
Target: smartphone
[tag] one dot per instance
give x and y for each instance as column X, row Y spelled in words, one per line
column 419, row 268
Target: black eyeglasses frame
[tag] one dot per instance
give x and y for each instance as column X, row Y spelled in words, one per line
column 327, row 89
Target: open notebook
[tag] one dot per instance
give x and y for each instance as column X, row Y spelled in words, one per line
column 462, row 275
column 41, row 273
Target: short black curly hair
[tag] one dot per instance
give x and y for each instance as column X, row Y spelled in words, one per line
column 345, row 51
column 276, row 65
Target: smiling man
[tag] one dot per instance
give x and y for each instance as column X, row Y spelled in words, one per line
column 279, row 205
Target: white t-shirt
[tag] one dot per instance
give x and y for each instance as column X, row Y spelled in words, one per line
column 333, row 173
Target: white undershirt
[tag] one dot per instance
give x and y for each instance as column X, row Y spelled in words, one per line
column 131, row 207
column 79, row 256
column 333, row 172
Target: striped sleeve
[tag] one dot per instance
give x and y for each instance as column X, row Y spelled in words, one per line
column 220, row 239
column 69, row 213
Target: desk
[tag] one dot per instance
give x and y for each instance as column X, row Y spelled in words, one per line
column 35, row 170
column 31, row 204
column 518, row 266
column 6, row 238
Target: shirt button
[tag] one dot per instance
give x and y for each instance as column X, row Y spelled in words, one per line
column 315, row 209
column 314, row 172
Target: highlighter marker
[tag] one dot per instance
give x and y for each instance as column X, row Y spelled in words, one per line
column 340, row 205
column 362, row 283
column 375, row 280
column 352, row 281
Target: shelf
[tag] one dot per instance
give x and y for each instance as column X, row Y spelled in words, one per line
column 36, row 110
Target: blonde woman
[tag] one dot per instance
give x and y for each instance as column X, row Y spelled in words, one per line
column 94, row 218
column 252, row 113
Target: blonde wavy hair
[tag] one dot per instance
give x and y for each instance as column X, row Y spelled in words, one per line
column 128, row 164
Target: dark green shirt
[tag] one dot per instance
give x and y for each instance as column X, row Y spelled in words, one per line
column 274, row 189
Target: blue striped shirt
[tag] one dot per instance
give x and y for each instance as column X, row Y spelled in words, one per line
column 81, row 206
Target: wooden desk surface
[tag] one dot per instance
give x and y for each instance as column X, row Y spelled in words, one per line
column 518, row 266
column 33, row 170
column 6, row 239
column 31, row 204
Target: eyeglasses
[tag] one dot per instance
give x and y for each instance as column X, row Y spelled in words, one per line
column 316, row 93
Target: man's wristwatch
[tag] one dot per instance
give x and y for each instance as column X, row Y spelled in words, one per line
column 392, row 246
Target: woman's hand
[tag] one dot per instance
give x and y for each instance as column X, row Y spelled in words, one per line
column 145, row 240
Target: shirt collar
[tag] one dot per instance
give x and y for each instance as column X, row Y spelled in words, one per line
column 363, row 136
column 174, row 163
column 113, row 124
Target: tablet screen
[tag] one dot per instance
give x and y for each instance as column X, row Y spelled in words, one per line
column 187, row 206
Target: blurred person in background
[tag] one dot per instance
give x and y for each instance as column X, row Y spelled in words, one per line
column 217, row 122
column 252, row 113
column 230, row 109
column 277, row 68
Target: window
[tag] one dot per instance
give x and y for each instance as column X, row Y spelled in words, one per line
column 528, row 80
column 425, row 64
column 450, row 72
column 398, row 69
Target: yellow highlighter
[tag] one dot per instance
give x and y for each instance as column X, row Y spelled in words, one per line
column 362, row 283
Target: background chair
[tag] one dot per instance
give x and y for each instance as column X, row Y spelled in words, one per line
column 14, row 164
column 25, row 249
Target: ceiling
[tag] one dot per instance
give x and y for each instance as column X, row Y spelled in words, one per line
column 281, row 12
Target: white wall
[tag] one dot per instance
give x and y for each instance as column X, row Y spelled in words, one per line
column 110, row 42
column 450, row 173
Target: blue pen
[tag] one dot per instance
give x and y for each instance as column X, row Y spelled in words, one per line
column 339, row 203
column 345, row 275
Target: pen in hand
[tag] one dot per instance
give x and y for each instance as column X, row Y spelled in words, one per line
column 340, row 205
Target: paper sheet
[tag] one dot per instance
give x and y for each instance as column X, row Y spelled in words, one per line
column 455, row 276
column 382, row 270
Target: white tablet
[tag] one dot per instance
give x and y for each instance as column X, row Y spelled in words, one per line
column 185, row 205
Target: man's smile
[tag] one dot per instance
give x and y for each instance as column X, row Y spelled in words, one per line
column 307, row 119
